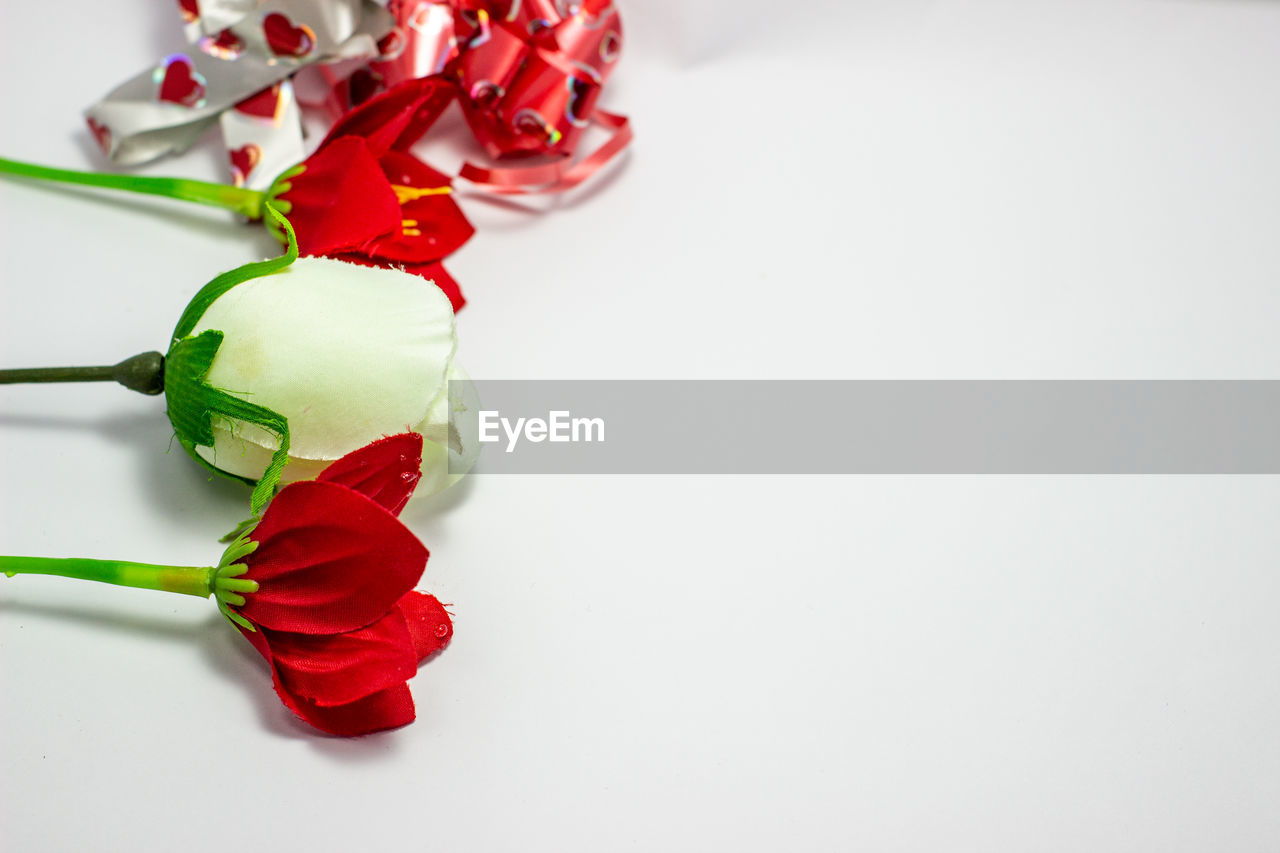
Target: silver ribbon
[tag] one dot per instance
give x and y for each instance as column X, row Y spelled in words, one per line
column 243, row 52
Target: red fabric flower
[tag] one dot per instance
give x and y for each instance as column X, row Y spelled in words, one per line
column 334, row 611
column 359, row 200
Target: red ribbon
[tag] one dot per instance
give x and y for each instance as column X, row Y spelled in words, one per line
column 553, row 177
column 527, row 74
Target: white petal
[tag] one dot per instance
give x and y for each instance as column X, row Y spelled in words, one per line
column 449, row 443
column 249, row 459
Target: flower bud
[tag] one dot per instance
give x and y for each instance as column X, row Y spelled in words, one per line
column 340, row 354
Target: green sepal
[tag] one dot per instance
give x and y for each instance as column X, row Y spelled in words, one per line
column 279, row 187
column 241, row 529
column 208, row 294
column 227, row 586
column 185, row 368
column 193, row 402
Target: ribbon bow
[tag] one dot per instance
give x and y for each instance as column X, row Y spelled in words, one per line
column 243, row 54
column 527, row 74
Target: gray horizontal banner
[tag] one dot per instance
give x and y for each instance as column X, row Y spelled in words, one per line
column 872, row 427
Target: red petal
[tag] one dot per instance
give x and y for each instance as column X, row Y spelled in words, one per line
column 338, row 669
column 432, row 272
column 429, row 623
column 256, row 640
column 442, row 228
column 398, row 116
column 329, row 560
column 342, row 200
column 388, row 709
column 444, row 281
column 386, row 471
column 401, row 167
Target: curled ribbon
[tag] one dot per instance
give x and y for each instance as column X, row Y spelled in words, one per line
column 527, row 74
column 237, row 72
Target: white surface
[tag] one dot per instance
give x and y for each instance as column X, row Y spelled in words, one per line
column 977, row 189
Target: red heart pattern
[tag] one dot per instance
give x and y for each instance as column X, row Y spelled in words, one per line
column 225, row 45
column 577, row 109
column 264, row 104
column 287, row 39
column 243, row 161
column 180, row 83
column 391, row 45
column 101, row 133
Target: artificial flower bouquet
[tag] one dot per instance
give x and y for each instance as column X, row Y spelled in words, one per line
column 325, row 379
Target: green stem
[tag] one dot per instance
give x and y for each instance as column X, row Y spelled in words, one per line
column 187, row 580
column 143, row 373
column 244, row 201
column 27, row 375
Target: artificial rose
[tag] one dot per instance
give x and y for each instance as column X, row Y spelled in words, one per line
column 322, row 587
column 358, row 199
column 278, row 368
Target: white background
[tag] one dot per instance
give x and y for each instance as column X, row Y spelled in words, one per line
column 965, row 189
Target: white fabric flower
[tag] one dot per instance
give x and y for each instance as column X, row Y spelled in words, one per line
column 347, row 354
